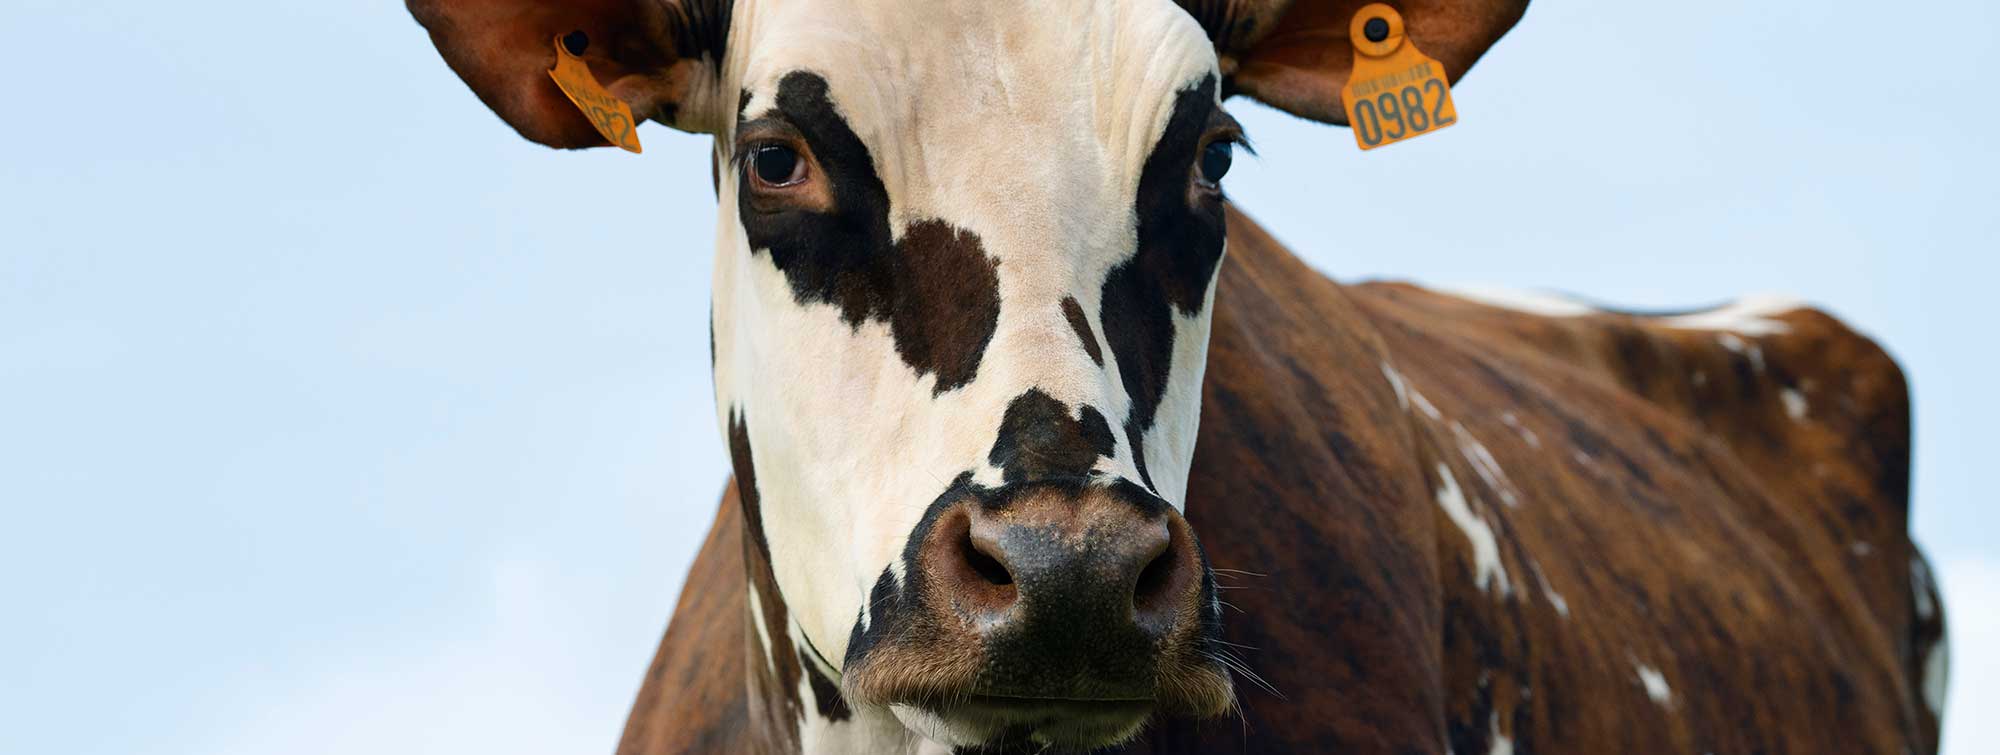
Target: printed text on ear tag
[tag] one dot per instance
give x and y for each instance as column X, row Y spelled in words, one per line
column 1394, row 92
column 610, row 115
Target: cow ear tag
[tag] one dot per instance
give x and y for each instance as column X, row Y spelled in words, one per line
column 1394, row 92
column 609, row 115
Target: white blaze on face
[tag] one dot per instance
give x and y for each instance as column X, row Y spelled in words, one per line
column 1026, row 124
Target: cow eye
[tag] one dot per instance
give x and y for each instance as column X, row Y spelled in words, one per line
column 776, row 165
column 1215, row 160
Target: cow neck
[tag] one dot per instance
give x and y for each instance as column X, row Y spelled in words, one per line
column 1302, row 416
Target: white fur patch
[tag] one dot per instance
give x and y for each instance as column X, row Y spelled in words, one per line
column 763, row 632
column 1530, row 302
column 1483, row 463
column 1795, row 403
column 1751, row 351
column 1655, row 683
column 1937, row 676
column 1502, row 744
column 1487, row 569
column 1751, row 316
column 1424, row 405
column 1556, row 600
column 1396, row 384
column 1527, row 436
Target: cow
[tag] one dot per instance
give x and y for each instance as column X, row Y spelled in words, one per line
column 1022, row 464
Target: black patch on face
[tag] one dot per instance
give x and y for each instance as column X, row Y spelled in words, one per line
column 1180, row 244
column 826, row 694
column 936, row 287
column 746, row 481
column 1039, row 440
column 1081, row 324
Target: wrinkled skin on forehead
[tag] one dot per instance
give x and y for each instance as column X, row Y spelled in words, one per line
column 995, row 249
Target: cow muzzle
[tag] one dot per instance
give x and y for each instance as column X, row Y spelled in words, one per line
column 1058, row 614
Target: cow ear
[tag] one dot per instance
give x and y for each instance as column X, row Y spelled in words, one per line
column 1295, row 55
column 661, row 57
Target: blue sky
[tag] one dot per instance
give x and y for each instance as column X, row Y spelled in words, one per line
column 336, row 418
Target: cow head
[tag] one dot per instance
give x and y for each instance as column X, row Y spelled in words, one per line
column 964, row 260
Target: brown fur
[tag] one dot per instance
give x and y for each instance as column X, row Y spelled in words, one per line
column 643, row 52
column 1708, row 534
column 1295, row 55
column 1690, row 525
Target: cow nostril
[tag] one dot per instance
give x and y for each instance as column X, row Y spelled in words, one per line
column 970, row 570
column 1153, row 580
column 987, row 567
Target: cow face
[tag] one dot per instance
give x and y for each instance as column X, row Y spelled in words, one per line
column 960, row 315
column 965, row 258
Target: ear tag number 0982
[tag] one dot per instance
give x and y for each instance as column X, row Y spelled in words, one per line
column 609, row 115
column 1394, row 91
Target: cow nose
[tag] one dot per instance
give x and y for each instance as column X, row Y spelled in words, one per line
column 1071, row 590
column 1117, row 565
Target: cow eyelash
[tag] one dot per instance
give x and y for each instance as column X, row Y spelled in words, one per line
column 739, row 156
column 1232, row 135
column 1223, row 128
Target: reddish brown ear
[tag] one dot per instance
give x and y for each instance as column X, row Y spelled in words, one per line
column 1294, row 55
column 648, row 53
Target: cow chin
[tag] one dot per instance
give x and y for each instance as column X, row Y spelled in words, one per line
column 971, row 718
column 955, row 709
column 1032, row 725
column 999, row 723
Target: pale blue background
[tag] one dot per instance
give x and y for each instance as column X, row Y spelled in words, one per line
column 336, row 418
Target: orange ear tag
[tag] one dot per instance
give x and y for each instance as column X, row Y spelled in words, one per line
column 611, row 116
column 1394, row 92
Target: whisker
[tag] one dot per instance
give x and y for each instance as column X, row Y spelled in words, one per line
column 1233, row 572
column 1237, row 665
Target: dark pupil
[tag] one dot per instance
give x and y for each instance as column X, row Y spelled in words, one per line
column 1215, row 161
column 775, row 164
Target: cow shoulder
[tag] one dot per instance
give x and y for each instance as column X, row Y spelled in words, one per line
column 1744, row 469
column 1807, row 402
